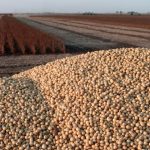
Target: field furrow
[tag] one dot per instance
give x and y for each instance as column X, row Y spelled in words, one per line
column 137, row 39
column 101, row 27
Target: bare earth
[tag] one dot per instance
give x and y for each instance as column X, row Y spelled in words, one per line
column 136, row 21
column 139, row 37
column 10, row 65
column 82, row 34
column 75, row 41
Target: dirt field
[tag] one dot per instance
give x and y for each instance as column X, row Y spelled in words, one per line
column 142, row 21
column 121, row 29
column 10, row 65
column 75, row 41
column 81, row 34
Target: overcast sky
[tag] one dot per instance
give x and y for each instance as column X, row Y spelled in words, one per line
column 73, row 5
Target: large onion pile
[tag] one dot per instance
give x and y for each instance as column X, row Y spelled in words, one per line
column 99, row 100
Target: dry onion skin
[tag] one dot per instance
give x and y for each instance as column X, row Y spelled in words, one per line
column 99, row 100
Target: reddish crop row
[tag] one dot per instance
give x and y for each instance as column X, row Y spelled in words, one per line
column 18, row 38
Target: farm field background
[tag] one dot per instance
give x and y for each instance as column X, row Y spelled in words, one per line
column 79, row 33
column 142, row 21
column 133, row 30
column 18, row 38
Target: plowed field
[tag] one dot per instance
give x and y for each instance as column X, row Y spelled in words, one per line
column 132, row 30
column 142, row 21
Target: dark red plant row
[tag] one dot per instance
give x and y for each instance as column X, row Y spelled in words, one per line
column 18, row 38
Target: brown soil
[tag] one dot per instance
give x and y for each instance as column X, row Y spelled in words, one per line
column 137, row 37
column 142, row 21
column 10, row 65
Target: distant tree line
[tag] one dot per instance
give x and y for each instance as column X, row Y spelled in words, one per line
column 132, row 13
column 3, row 14
column 89, row 13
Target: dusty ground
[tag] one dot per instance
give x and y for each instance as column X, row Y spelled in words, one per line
column 10, row 65
column 84, row 33
column 138, row 37
column 75, row 41
column 141, row 21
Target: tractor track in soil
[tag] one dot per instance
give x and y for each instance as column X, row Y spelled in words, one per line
column 104, row 31
column 75, row 39
column 134, row 38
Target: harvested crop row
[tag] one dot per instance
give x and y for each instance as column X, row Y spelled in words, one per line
column 18, row 38
column 99, row 100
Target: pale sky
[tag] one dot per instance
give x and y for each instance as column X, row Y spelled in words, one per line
column 99, row 6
